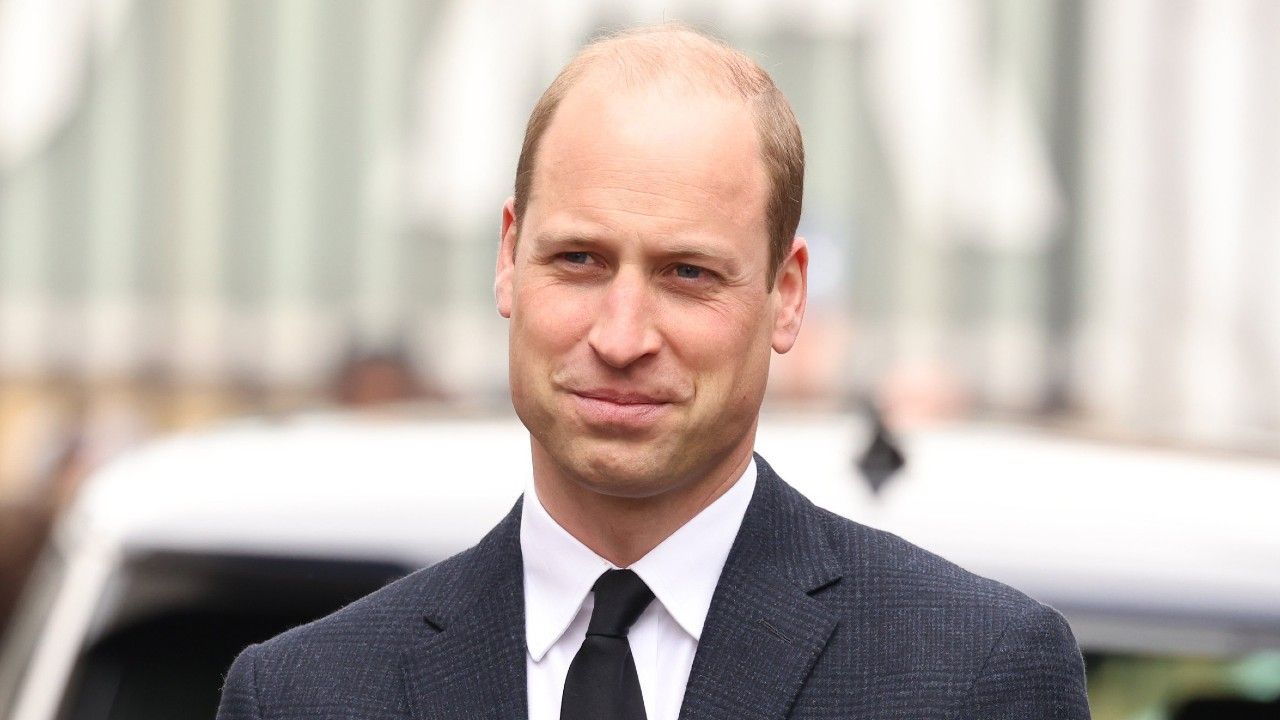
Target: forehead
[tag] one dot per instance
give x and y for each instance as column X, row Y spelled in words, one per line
column 657, row 154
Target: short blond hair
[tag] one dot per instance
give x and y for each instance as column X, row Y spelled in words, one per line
column 676, row 52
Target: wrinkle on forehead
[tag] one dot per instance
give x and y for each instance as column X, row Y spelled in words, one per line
column 647, row 196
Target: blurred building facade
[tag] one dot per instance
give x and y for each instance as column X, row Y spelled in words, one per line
column 1063, row 210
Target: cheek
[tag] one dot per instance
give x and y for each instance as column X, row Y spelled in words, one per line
column 548, row 318
column 721, row 344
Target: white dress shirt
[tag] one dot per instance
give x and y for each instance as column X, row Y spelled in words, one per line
column 682, row 571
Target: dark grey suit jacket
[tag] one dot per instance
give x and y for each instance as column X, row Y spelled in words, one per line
column 814, row 617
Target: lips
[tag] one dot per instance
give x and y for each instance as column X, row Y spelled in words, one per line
column 621, row 409
column 621, row 397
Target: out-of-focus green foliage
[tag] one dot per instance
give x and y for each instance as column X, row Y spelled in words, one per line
column 1135, row 687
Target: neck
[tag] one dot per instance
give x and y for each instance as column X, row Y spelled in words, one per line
column 624, row 529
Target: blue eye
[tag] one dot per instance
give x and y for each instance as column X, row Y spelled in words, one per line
column 689, row 272
column 577, row 258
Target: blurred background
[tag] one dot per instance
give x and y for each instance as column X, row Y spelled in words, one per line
column 1059, row 214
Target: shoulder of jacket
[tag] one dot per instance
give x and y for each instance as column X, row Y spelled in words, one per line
column 382, row 621
column 892, row 562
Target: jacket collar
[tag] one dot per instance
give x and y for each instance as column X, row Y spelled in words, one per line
column 765, row 622
column 764, row 617
column 470, row 663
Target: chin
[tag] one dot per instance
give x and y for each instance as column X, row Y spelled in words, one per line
column 614, row 469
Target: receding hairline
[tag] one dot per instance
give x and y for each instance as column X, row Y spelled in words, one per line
column 682, row 58
column 667, row 53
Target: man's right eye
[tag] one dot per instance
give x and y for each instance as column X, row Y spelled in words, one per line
column 577, row 258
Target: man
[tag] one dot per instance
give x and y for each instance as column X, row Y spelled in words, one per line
column 656, row 568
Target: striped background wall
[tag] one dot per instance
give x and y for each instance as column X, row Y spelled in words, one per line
column 1069, row 207
column 213, row 205
column 1178, row 332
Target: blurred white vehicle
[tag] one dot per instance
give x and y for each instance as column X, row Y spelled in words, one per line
column 175, row 557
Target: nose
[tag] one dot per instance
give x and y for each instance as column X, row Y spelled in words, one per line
column 624, row 330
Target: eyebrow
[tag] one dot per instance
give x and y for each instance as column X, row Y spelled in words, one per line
column 556, row 239
column 678, row 250
column 683, row 252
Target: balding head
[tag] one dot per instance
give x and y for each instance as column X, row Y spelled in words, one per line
column 676, row 56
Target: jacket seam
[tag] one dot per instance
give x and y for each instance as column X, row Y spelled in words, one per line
column 253, row 681
column 966, row 701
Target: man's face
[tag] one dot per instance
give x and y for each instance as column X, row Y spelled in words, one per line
column 641, row 321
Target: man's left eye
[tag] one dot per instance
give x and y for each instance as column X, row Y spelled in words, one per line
column 689, row 272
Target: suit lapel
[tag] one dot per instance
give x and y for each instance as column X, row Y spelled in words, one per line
column 471, row 661
column 764, row 630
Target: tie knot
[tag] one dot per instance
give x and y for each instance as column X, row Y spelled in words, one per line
column 620, row 598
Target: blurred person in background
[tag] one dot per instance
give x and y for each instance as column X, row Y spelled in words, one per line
column 656, row 567
column 373, row 378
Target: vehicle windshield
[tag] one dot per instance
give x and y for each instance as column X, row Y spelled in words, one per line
column 181, row 619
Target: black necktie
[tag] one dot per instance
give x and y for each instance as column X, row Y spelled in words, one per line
column 602, row 683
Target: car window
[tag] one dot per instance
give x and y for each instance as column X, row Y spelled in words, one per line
column 183, row 619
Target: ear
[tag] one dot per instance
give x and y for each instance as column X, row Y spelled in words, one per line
column 791, row 293
column 506, row 266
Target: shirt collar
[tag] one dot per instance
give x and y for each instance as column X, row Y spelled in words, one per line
column 682, row 570
column 558, row 573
